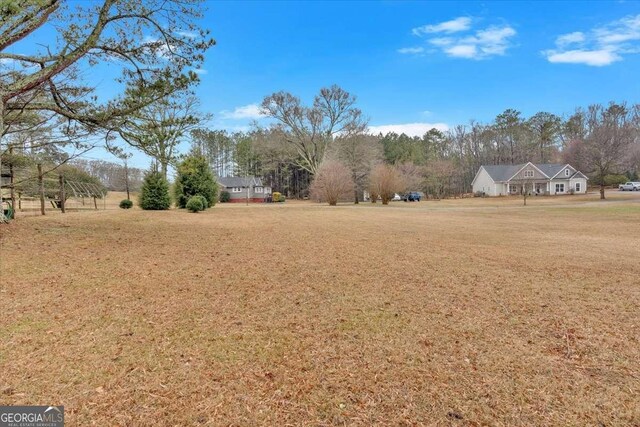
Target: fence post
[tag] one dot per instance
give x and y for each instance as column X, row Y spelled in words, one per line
column 41, row 188
column 63, row 196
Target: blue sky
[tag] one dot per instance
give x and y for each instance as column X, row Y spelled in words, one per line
column 414, row 65
column 411, row 62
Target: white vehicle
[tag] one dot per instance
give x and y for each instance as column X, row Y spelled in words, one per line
column 396, row 197
column 629, row 186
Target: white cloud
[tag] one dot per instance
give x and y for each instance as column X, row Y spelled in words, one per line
column 188, row 34
column 410, row 129
column 600, row 46
column 159, row 47
column 462, row 51
column 484, row 43
column 618, row 32
column 411, row 50
column 570, row 38
column 493, row 40
column 595, row 58
column 462, row 23
column 200, row 71
column 251, row 111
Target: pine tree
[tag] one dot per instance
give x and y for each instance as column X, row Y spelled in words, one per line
column 195, row 179
column 154, row 194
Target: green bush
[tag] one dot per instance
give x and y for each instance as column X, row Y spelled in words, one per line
column 154, row 194
column 126, row 204
column 282, row 198
column 196, row 204
column 202, row 199
column 225, row 196
column 195, row 178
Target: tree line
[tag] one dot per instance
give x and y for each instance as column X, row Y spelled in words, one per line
column 48, row 104
column 600, row 140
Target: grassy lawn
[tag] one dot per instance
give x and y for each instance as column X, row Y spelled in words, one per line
column 460, row 312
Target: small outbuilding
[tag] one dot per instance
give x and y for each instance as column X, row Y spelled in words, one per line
column 542, row 179
column 243, row 189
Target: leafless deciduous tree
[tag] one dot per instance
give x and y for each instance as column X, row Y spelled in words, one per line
column 333, row 182
column 610, row 134
column 440, row 175
column 412, row 175
column 312, row 129
column 359, row 153
column 385, row 181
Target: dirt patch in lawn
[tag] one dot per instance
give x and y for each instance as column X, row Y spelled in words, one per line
column 302, row 314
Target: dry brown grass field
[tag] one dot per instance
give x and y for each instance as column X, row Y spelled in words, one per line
column 462, row 312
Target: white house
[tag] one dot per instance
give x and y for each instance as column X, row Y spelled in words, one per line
column 546, row 178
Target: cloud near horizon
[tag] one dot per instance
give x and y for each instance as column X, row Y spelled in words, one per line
column 600, row 46
column 480, row 44
column 251, row 111
column 410, row 129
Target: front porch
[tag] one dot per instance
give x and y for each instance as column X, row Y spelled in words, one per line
column 534, row 188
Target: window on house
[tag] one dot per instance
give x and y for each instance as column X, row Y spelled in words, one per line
column 236, row 190
column 259, row 190
column 566, row 172
column 559, row 188
column 528, row 174
column 578, row 186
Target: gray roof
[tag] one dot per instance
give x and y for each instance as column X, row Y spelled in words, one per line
column 505, row 172
column 240, row 181
column 550, row 169
column 502, row 172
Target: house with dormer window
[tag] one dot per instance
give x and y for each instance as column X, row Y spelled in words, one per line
column 542, row 179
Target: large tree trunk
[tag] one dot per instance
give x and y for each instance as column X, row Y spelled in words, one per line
column 163, row 168
column 602, row 191
column 355, row 200
column 41, row 188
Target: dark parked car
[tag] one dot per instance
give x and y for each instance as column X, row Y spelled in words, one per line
column 412, row 196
